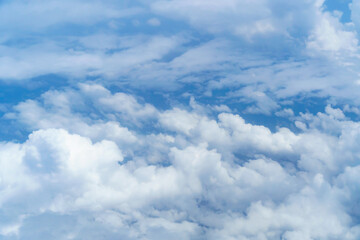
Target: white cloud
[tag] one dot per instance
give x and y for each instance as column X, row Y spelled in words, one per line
column 243, row 18
column 103, row 164
column 52, row 58
column 329, row 34
column 286, row 113
column 195, row 177
column 36, row 15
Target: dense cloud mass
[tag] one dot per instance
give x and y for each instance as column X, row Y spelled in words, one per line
column 193, row 176
column 179, row 119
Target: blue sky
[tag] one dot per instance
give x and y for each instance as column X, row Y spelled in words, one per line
column 179, row 119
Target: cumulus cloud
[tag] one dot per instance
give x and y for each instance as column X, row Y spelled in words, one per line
column 266, row 147
column 196, row 176
column 329, row 34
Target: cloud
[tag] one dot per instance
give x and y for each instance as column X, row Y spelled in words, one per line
column 169, row 61
column 50, row 58
column 244, row 18
column 329, row 34
column 286, row 113
column 38, row 15
column 193, row 176
column 266, row 147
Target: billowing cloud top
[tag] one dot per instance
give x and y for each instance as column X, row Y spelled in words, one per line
column 179, row 119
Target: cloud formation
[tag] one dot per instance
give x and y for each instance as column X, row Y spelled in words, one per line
column 175, row 119
column 194, row 177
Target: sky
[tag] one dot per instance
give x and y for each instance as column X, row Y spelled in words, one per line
column 179, row 119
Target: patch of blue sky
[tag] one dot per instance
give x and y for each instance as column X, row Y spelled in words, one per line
column 339, row 5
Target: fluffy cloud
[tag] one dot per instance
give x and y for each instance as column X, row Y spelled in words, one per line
column 299, row 57
column 329, row 34
column 194, row 176
column 118, row 151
